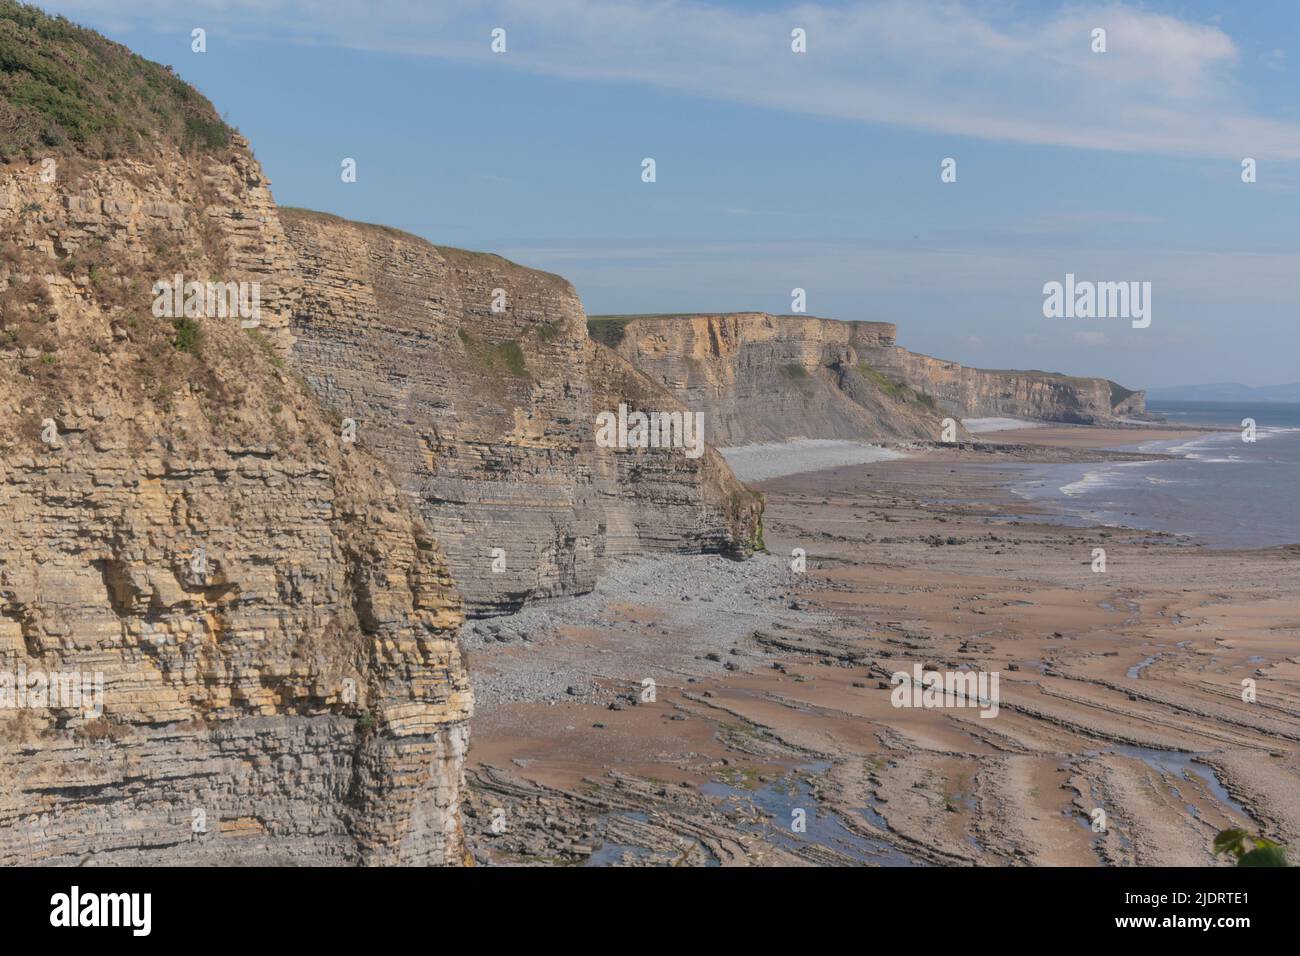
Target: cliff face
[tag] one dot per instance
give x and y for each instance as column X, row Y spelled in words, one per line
column 761, row 377
column 976, row 392
column 487, row 415
column 661, row 500
column 224, row 636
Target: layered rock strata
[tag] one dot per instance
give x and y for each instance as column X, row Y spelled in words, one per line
column 764, row 378
column 224, row 635
column 978, row 392
column 761, row 377
column 474, row 379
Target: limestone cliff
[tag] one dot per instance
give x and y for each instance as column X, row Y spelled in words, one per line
column 761, row 377
column 977, row 392
column 656, row 500
column 474, row 379
column 272, row 628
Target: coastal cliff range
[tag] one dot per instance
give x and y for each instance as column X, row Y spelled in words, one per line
column 761, row 378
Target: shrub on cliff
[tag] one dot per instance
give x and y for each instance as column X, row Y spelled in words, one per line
column 896, row 390
column 189, row 336
column 495, row 356
column 64, row 88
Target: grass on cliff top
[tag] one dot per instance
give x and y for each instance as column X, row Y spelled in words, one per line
column 66, row 89
column 289, row 214
column 625, row 318
column 1038, row 373
column 1118, row 392
column 471, row 257
column 609, row 329
column 453, row 254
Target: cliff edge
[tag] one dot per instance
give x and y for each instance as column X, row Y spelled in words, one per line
column 761, row 378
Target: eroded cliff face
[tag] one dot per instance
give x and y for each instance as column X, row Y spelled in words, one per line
column 976, row 392
column 487, row 414
column 272, row 627
column 656, row 499
column 761, row 377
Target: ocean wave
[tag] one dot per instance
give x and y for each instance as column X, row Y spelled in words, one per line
column 1091, row 481
column 1136, row 493
column 1212, row 449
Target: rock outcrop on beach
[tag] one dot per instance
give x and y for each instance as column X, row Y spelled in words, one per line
column 224, row 634
column 761, row 377
column 474, row 378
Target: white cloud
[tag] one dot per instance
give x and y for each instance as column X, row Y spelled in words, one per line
column 1165, row 85
column 1090, row 339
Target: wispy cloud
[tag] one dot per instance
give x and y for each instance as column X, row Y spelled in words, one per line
column 1165, row 84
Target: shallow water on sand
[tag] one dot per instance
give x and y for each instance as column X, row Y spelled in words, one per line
column 771, row 807
column 1179, row 765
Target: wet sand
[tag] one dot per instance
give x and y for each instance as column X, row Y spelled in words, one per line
column 1119, row 691
column 1088, row 437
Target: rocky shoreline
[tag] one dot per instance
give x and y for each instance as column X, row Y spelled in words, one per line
column 1118, row 690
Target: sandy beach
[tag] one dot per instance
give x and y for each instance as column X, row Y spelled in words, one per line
column 1121, row 736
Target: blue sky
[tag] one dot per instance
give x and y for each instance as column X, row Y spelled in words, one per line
column 820, row 170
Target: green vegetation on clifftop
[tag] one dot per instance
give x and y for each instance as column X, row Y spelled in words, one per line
column 64, row 88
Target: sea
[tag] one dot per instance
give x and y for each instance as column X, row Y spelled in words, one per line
column 1217, row 490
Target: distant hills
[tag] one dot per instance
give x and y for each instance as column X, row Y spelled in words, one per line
column 1226, row 392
